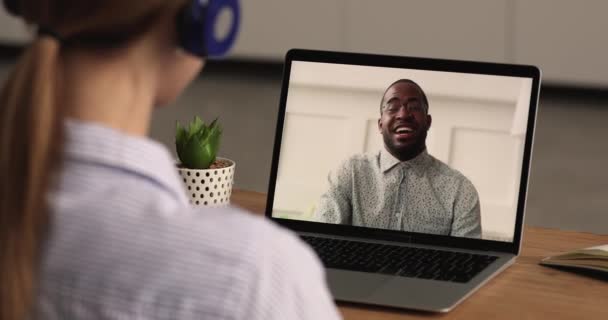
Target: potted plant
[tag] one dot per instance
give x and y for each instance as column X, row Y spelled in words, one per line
column 208, row 178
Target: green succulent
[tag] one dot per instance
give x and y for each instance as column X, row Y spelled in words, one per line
column 197, row 144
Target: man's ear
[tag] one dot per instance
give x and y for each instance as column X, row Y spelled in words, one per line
column 429, row 120
column 380, row 125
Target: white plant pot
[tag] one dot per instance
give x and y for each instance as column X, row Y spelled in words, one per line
column 209, row 187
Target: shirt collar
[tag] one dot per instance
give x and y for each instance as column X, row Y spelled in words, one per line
column 100, row 145
column 388, row 161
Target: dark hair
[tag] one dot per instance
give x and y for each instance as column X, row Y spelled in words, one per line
column 31, row 124
column 412, row 82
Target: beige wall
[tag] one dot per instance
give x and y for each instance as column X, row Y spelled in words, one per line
column 564, row 37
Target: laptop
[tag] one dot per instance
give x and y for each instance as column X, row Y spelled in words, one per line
column 407, row 176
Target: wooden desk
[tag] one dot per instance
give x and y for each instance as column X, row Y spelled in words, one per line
column 525, row 290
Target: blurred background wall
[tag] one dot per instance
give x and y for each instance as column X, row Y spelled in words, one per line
column 569, row 178
column 563, row 37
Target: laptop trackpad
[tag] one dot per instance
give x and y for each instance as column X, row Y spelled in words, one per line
column 357, row 286
column 394, row 291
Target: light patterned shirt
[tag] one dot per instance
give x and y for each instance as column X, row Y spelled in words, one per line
column 125, row 244
column 420, row 195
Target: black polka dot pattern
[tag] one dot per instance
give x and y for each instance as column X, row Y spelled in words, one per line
column 205, row 191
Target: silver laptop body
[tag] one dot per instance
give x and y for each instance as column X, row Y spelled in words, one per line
column 509, row 94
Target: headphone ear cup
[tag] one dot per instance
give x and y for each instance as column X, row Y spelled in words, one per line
column 12, row 7
column 196, row 25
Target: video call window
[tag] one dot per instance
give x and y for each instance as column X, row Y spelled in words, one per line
column 403, row 149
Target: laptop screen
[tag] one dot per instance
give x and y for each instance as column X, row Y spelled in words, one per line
column 408, row 150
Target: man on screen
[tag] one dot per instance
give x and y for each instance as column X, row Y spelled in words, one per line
column 402, row 187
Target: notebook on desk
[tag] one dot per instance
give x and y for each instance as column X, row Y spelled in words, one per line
column 592, row 258
column 407, row 176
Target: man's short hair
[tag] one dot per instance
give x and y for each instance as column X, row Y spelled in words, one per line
column 424, row 99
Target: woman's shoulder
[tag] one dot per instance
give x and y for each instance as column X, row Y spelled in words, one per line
column 187, row 254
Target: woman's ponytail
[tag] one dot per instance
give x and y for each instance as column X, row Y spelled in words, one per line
column 31, row 136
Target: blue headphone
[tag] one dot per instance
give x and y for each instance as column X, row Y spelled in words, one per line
column 196, row 26
column 197, row 23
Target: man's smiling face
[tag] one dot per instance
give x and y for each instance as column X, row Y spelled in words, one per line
column 404, row 121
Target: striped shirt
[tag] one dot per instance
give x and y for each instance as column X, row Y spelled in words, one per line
column 125, row 244
column 420, row 195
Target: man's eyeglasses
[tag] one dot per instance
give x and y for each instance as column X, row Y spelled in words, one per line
column 412, row 106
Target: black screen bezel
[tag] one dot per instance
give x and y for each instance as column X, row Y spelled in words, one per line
column 469, row 67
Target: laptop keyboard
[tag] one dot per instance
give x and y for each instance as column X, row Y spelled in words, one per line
column 397, row 260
